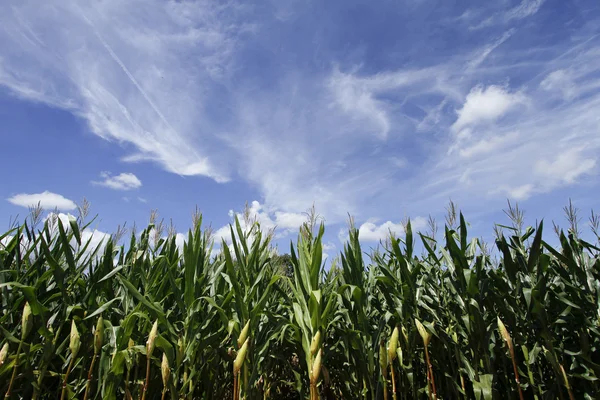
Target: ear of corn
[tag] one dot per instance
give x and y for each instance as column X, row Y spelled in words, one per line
column 240, row 357
column 99, row 335
column 3, row 354
column 393, row 345
column 243, row 334
column 27, row 321
column 151, row 342
column 517, row 320
column 425, row 335
column 74, row 340
column 165, row 370
column 316, row 367
column 315, row 343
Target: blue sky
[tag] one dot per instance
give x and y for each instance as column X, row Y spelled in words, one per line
column 381, row 109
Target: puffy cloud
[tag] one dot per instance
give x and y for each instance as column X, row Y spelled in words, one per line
column 486, row 105
column 123, row 181
column 371, row 232
column 96, row 238
column 46, row 199
column 282, row 223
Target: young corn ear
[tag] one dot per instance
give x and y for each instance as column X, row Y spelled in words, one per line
column 74, row 340
column 166, row 374
column 3, row 354
column 152, row 339
column 27, row 321
column 165, row 370
column 393, row 346
column 180, row 351
column 26, row 327
column 511, row 349
column 383, row 364
column 506, row 336
column 315, row 343
column 99, row 335
column 74, row 345
column 98, row 341
column 425, row 335
column 316, row 368
column 383, row 358
column 243, row 334
column 149, row 350
column 240, row 358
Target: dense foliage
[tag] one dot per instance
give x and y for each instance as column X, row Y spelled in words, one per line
column 149, row 320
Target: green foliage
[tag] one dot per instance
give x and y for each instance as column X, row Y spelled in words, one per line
column 78, row 320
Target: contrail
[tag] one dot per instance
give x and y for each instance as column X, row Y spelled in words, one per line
column 116, row 58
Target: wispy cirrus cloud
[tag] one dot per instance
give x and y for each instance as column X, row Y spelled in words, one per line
column 122, row 68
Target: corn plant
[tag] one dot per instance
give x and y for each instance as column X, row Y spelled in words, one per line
column 415, row 318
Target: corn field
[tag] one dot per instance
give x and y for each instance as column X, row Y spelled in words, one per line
column 416, row 318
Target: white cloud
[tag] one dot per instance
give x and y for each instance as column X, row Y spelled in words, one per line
column 566, row 167
column 487, row 145
column 329, row 246
column 480, row 19
column 283, row 223
column 525, row 9
column 123, row 181
column 482, row 54
column 560, row 81
column 96, row 238
column 180, row 239
column 359, row 98
column 522, row 192
column 46, row 199
column 371, row 232
column 486, row 105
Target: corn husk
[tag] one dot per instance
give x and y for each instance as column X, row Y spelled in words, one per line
column 315, row 343
column 151, row 339
column 165, row 369
column 505, row 336
column 180, row 351
column 3, row 353
column 74, row 340
column 240, row 358
column 393, row 346
column 27, row 321
column 243, row 334
column 99, row 335
column 316, row 367
column 383, row 359
column 425, row 335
